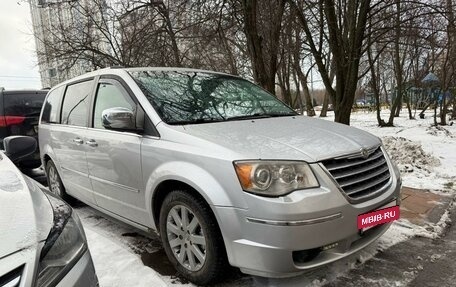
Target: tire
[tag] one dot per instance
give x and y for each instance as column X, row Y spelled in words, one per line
column 190, row 237
column 54, row 181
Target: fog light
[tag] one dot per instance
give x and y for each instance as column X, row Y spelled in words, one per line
column 329, row 246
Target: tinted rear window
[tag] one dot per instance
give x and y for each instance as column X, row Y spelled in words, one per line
column 23, row 104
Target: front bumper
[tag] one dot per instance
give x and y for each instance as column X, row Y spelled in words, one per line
column 282, row 237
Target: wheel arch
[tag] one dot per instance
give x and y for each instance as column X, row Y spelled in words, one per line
column 47, row 154
column 185, row 176
column 163, row 189
column 46, row 158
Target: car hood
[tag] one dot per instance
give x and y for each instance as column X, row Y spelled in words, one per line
column 26, row 215
column 296, row 138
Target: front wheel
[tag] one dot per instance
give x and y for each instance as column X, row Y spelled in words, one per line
column 191, row 238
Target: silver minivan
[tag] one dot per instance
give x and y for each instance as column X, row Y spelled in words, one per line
column 221, row 169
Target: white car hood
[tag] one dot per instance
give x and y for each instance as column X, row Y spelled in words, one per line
column 298, row 138
column 26, row 216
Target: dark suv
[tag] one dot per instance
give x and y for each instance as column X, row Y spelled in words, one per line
column 19, row 114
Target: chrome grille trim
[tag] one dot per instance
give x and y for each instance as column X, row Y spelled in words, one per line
column 365, row 177
column 12, row 278
column 358, row 160
column 360, row 178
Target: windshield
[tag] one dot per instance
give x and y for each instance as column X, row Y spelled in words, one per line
column 197, row 97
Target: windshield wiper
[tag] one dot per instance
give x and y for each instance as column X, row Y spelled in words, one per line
column 197, row 121
column 258, row 116
column 248, row 117
column 235, row 118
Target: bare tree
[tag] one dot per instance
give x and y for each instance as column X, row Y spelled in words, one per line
column 342, row 25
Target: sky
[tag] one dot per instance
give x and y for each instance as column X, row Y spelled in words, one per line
column 18, row 63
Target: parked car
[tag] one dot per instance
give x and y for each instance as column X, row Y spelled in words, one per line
column 42, row 240
column 19, row 115
column 224, row 171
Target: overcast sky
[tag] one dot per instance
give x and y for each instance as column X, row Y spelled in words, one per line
column 18, row 64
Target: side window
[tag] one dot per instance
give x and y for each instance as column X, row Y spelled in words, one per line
column 51, row 107
column 108, row 96
column 76, row 104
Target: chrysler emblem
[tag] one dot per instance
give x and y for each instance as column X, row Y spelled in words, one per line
column 364, row 153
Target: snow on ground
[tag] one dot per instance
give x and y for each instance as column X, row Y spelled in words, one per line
column 117, row 266
column 426, row 156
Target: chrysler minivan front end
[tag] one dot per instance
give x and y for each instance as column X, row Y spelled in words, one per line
column 281, row 235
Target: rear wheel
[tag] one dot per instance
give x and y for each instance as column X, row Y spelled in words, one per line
column 191, row 238
column 55, row 182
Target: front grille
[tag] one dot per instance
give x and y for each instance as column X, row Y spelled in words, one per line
column 12, row 278
column 360, row 178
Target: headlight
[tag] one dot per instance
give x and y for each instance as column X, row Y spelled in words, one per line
column 274, row 178
column 65, row 244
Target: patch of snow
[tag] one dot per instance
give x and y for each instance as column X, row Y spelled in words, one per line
column 115, row 265
column 434, row 231
column 409, row 156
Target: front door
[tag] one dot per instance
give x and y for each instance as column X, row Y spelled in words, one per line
column 114, row 159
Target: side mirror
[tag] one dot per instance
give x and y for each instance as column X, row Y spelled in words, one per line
column 118, row 119
column 19, row 147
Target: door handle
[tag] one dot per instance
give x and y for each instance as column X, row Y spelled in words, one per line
column 78, row 141
column 92, row 143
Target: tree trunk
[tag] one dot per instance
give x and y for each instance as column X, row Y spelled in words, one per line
column 346, row 45
column 305, row 89
column 374, row 83
column 264, row 60
column 395, row 108
column 324, row 109
column 298, row 98
column 409, row 108
column 443, row 110
column 172, row 35
column 453, row 113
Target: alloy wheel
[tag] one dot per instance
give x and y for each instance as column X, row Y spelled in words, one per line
column 186, row 237
column 54, row 184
